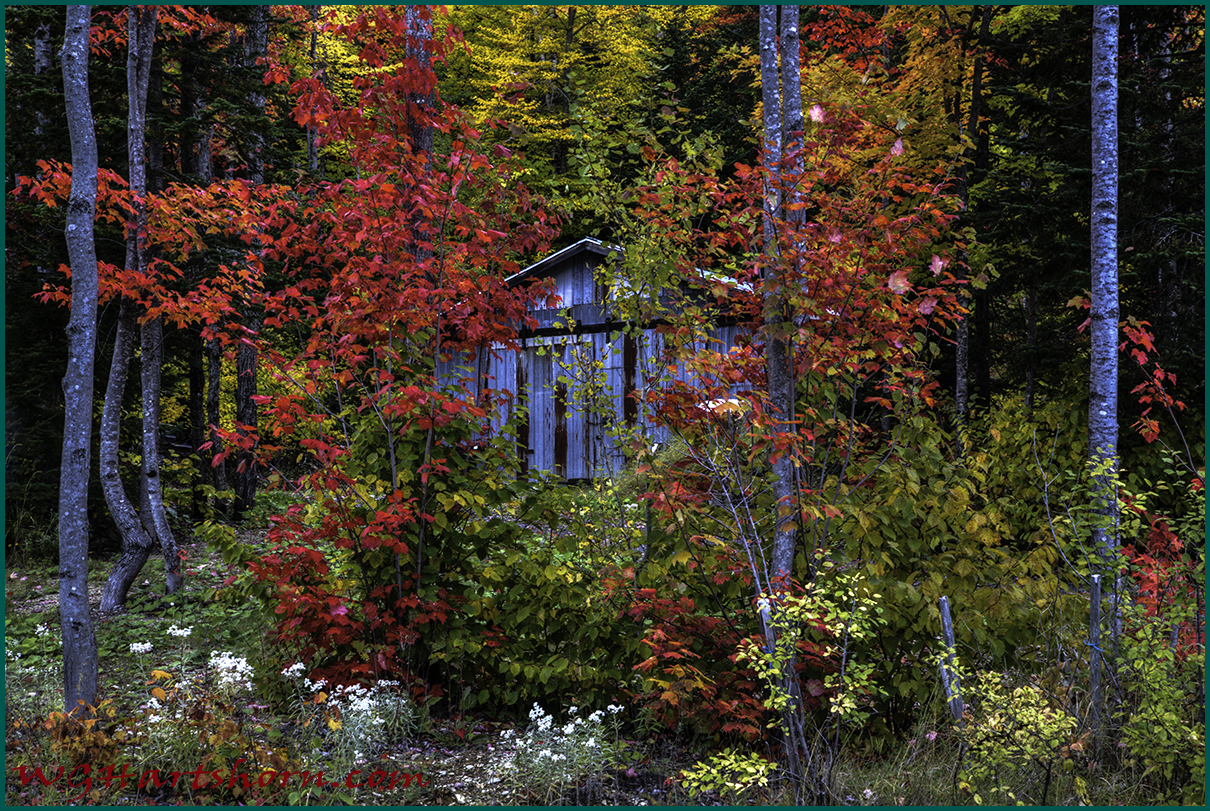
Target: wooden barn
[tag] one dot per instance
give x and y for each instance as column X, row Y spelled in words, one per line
column 582, row 372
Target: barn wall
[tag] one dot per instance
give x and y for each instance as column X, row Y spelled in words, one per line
column 570, row 393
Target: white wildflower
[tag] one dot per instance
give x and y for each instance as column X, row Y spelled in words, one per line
column 232, row 672
column 140, row 647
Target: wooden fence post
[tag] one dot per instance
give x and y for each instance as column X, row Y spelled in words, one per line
column 1094, row 656
column 950, row 679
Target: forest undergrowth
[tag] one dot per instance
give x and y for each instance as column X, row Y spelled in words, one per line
column 194, row 684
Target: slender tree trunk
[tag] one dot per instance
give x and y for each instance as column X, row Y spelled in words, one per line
column 962, row 338
column 79, row 640
column 197, row 423
column 43, row 63
column 778, row 357
column 783, row 393
column 140, row 530
column 1103, row 379
column 137, row 540
column 206, row 354
column 312, row 131
column 777, row 365
column 420, row 48
column 962, row 376
column 781, row 96
column 246, row 418
column 246, row 358
column 214, row 380
column 152, row 360
column 202, row 158
column 140, row 66
column 1029, row 302
column 559, row 148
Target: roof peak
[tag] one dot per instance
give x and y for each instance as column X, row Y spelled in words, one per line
column 590, row 244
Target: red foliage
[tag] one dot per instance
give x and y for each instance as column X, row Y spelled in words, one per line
column 1166, row 578
column 693, row 672
column 693, row 665
column 381, row 277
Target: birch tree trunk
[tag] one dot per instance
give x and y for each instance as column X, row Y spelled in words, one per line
column 1103, row 379
column 139, row 62
column 420, row 48
column 781, row 360
column 137, row 541
column 43, row 62
column 139, row 532
column 777, row 365
column 781, row 96
column 79, row 640
column 151, row 364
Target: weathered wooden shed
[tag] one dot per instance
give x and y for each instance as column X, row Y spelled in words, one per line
column 581, row 373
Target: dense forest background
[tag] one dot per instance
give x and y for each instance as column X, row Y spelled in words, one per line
column 892, row 206
column 576, row 87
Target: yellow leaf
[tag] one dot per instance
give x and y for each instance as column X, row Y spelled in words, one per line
column 333, row 724
column 160, row 674
column 159, row 693
column 681, row 557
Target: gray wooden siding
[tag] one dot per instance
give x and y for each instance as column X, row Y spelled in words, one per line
column 580, row 385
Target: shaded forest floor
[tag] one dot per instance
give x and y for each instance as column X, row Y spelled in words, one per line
column 469, row 759
column 463, row 761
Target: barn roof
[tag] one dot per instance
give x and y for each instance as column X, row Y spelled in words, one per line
column 596, row 246
column 543, row 266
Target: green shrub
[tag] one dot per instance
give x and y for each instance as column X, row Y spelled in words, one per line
column 729, row 773
column 1161, row 732
column 1015, row 736
column 922, row 525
